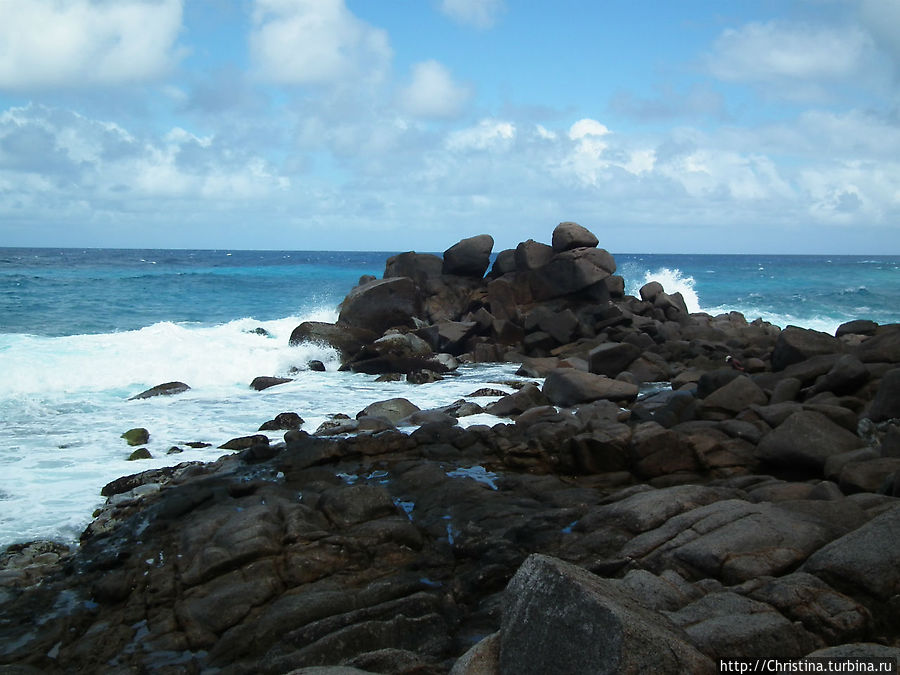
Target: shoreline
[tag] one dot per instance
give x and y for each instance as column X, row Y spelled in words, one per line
column 749, row 511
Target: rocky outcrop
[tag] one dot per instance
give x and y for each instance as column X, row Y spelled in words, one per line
column 747, row 510
column 381, row 304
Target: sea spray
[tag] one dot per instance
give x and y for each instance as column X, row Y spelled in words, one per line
column 673, row 281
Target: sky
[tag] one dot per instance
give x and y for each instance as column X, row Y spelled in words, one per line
column 722, row 126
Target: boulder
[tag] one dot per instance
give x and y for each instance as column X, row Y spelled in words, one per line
column 265, row 381
column 846, row 376
column 823, row 611
column 737, row 395
column 136, row 436
column 657, row 451
column 857, row 327
column 567, row 387
column 867, row 475
column 469, row 257
column 572, row 271
column 140, row 453
column 726, row 625
column 417, row 266
column 559, row 618
column 516, row 403
column 886, row 404
column 531, row 255
column 735, row 540
column 611, row 358
column 244, row 442
column 883, row 347
column 381, row 304
column 864, row 560
column 393, row 410
column 568, row 235
column 347, row 340
column 504, row 263
column 397, row 353
column 283, row 421
column 167, row 389
column 796, row 344
column 804, row 441
column 316, row 366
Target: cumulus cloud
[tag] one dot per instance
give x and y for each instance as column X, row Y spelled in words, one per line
column 64, row 165
column 793, row 61
column 478, row 13
column 315, row 42
column 488, row 134
column 53, row 43
column 432, row 93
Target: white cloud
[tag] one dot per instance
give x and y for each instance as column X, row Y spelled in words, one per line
column 53, row 43
column 487, row 134
column 478, row 13
column 66, row 160
column 795, row 57
column 432, row 93
column 315, row 42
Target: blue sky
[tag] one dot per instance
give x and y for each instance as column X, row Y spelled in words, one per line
column 693, row 126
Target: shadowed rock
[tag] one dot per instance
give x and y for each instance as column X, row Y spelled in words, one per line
column 167, row 389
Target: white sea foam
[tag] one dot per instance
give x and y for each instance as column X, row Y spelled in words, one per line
column 673, row 281
column 65, row 407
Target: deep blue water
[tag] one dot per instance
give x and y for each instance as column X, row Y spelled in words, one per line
column 57, row 292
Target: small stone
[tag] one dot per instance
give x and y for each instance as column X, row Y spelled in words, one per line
column 140, row 453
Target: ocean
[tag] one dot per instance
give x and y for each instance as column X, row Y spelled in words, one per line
column 82, row 330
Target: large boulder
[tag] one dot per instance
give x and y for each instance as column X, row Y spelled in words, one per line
column 381, row 304
column 865, row 559
column 559, row 618
column 393, row 409
column 397, row 353
column 568, row 235
column 886, row 404
column 567, row 387
column 796, row 344
column 531, row 255
column 611, row 358
column 518, row 402
column 573, row 271
column 883, row 347
column 736, row 540
column 417, row 266
column 846, row 376
column 737, row 395
column 727, row 625
column 347, row 340
column 469, row 257
column 804, row 441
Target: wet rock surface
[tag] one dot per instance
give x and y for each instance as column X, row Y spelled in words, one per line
column 749, row 509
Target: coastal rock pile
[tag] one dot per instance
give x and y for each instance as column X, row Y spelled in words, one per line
column 749, row 510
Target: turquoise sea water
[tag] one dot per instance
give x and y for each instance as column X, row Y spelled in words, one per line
column 83, row 330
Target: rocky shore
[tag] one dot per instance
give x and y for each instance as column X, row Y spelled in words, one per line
column 749, row 508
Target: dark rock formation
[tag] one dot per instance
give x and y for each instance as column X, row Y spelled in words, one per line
column 469, row 257
column 381, row 304
column 266, row 381
column 749, row 511
column 347, row 340
column 136, row 436
column 167, row 389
